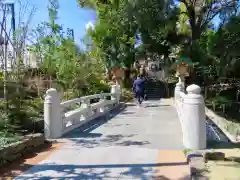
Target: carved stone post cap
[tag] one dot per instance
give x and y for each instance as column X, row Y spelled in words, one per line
column 193, row 89
column 179, row 84
column 51, row 93
column 51, row 90
column 115, row 88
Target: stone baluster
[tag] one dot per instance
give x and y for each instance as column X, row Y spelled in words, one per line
column 178, row 89
column 53, row 125
column 86, row 104
column 116, row 90
column 102, row 99
column 194, row 119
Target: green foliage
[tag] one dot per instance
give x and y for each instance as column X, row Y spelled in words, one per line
column 114, row 34
column 198, row 15
column 127, row 95
column 219, row 49
column 62, row 58
column 186, row 151
column 182, row 27
column 73, row 71
column 8, row 138
column 121, row 23
column 156, row 22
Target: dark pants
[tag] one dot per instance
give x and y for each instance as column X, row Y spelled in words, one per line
column 139, row 96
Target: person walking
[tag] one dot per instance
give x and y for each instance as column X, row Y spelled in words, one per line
column 139, row 89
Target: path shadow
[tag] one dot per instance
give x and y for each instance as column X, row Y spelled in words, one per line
column 117, row 125
column 156, row 105
column 131, row 143
column 14, row 168
column 83, row 137
column 87, row 135
column 107, row 141
column 127, row 113
column 96, row 172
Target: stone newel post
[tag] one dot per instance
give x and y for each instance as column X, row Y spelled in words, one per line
column 52, row 115
column 194, row 119
column 116, row 89
column 179, row 88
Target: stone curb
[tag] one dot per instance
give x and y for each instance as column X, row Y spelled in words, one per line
column 21, row 148
column 196, row 163
column 197, row 160
column 215, row 119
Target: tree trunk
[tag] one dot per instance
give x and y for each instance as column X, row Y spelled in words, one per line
column 195, row 27
column 196, row 32
column 127, row 78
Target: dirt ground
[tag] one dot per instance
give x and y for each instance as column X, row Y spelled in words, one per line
column 9, row 171
column 225, row 170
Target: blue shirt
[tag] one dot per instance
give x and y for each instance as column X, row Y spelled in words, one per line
column 138, row 85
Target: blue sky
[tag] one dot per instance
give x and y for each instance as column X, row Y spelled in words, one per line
column 70, row 15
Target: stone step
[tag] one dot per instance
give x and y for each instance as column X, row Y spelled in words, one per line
column 154, row 93
column 153, row 90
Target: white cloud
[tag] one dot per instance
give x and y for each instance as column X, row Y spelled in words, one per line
column 89, row 25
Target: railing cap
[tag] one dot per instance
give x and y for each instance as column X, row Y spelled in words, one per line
column 179, row 84
column 51, row 90
column 193, row 89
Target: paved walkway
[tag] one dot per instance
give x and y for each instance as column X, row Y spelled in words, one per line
column 138, row 143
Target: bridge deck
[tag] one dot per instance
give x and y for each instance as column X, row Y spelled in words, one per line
column 128, row 145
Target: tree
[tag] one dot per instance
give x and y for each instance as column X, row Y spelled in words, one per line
column 156, row 22
column 114, row 35
column 61, row 58
column 225, row 46
column 201, row 13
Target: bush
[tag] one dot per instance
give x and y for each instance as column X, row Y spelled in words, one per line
column 127, row 95
column 8, row 138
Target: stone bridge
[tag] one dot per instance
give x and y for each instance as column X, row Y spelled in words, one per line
column 113, row 140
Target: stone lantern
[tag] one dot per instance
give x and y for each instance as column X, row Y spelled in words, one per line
column 182, row 69
column 118, row 75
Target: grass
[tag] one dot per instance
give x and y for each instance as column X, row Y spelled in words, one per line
column 186, row 151
column 7, row 138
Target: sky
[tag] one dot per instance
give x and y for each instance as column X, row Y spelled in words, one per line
column 70, row 15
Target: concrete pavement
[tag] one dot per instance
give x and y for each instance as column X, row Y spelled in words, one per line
column 128, row 145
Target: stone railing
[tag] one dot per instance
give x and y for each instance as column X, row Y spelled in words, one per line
column 191, row 111
column 62, row 117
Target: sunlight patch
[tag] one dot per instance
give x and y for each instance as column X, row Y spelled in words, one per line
column 89, row 25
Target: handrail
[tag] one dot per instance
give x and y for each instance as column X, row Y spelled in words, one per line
column 71, row 101
column 191, row 112
column 59, row 118
column 84, row 98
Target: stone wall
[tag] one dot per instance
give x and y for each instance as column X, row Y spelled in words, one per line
column 19, row 149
